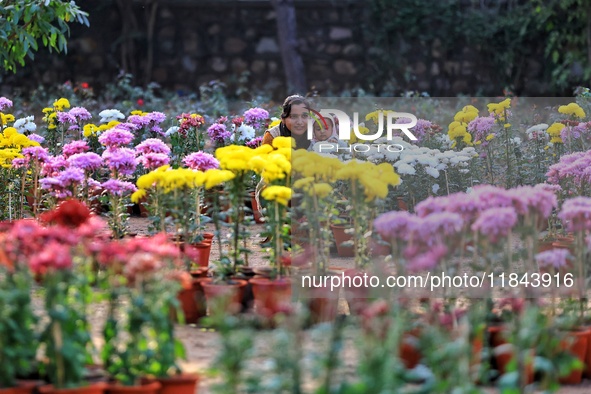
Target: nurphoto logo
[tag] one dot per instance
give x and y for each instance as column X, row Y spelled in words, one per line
column 343, row 123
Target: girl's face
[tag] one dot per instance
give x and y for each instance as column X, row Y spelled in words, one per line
column 321, row 133
column 297, row 121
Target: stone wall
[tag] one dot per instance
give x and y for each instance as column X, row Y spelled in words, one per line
column 195, row 42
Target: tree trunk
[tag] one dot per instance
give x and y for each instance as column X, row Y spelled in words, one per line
column 293, row 65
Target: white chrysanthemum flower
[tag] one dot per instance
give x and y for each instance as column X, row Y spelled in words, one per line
column 432, row 171
column 427, row 160
column 245, row 132
column 435, row 188
column 516, row 141
column 172, row 130
column 538, row 127
column 441, row 166
column 405, row 168
column 108, row 115
column 25, row 124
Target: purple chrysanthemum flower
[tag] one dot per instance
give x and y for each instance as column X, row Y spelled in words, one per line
column 151, row 161
column 127, row 126
column 394, row 225
column 420, row 129
column 556, row 258
column 80, row 113
column 138, row 120
column 439, row 224
column 75, row 147
column 5, row 103
column 495, row 223
column 156, row 117
column 116, row 137
column 36, row 153
column 19, row 163
column 256, row 117
column 201, row 161
column 118, row 187
column 71, row 176
column 152, row 145
column 65, row 117
column 576, row 214
column 121, row 160
column 36, row 138
column 481, row 127
column 218, row 133
column 88, row 161
column 429, row 260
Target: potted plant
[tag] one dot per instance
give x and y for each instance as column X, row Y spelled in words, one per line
column 148, row 273
column 17, row 333
column 59, row 255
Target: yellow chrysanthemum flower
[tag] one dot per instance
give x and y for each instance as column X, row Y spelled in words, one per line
column 283, row 142
column 490, row 136
column 138, row 196
column 9, row 132
column 280, row 194
column 61, row 104
column 6, row 119
column 573, row 109
column 274, row 123
column 216, row 177
column 234, row 157
column 555, row 129
column 556, row 140
column 90, row 129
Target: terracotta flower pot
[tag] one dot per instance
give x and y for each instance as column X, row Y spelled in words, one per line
column 576, row 344
column 503, row 354
column 409, row 352
column 227, row 295
column 323, row 304
column 271, row 296
column 402, row 205
column 208, row 237
column 338, row 231
column 357, row 296
column 95, row 388
column 199, row 252
column 180, row 384
column 193, row 302
column 22, row 388
column 146, row 388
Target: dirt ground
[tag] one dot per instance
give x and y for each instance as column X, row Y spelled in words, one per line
column 203, row 345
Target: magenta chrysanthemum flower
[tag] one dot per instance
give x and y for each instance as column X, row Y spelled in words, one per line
column 5, row 103
column 80, row 113
column 53, row 165
column 152, row 145
column 156, row 117
column 121, row 160
column 495, row 223
column 151, row 161
column 74, row 147
column 118, row 187
column 139, row 120
column 36, row 153
column 116, row 137
column 218, row 133
column 556, row 258
column 19, row 163
column 446, row 224
column 88, row 161
column 201, row 161
column 256, row 117
column 188, row 121
column 254, row 143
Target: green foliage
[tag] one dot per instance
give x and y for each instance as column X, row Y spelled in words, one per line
column 17, row 335
column 23, row 23
column 507, row 33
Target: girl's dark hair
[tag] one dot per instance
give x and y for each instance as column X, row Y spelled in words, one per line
column 291, row 100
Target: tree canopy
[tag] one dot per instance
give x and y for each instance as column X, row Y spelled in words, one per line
column 25, row 23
